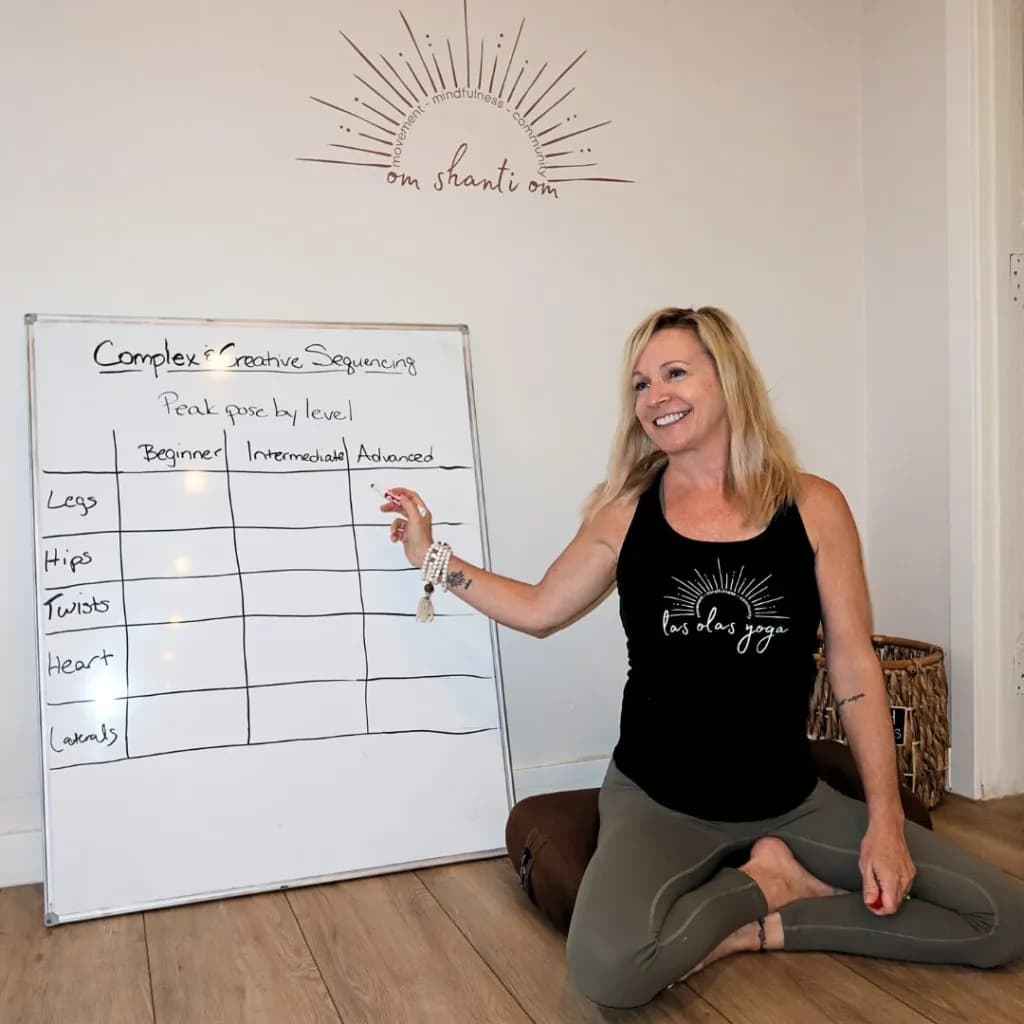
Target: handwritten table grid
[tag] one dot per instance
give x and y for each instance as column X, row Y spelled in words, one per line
column 244, row 617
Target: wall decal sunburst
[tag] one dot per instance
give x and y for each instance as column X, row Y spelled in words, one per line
column 394, row 92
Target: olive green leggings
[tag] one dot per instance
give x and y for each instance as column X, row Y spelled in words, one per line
column 656, row 899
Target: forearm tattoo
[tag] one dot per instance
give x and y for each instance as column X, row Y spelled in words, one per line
column 849, row 700
column 458, row 579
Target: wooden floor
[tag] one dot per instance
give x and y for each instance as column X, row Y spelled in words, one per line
column 451, row 945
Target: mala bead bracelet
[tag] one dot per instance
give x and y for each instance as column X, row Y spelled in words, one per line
column 435, row 573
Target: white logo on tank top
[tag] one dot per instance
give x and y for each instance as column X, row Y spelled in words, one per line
column 730, row 603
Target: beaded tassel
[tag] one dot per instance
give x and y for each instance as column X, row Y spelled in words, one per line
column 424, row 607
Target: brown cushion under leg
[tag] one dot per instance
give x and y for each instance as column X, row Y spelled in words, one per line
column 550, row 839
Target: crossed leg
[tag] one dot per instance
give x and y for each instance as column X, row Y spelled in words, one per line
column 962, row 910
column 657, row 902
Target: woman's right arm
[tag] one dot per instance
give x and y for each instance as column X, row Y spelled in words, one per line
column 580, row 576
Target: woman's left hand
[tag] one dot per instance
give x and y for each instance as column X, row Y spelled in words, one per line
column 886, row 867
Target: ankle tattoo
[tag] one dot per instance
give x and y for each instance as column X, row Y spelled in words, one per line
column 760, row 935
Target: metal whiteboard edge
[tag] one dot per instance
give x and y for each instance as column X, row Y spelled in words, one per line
column 30, row 322
column 91, row 318
column 253, row 890
column 485, row 547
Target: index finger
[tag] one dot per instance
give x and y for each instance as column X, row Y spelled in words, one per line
column 403, row 494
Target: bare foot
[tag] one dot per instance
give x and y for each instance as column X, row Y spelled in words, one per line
column 773, row 934
column 780, row 876
column 745, row 939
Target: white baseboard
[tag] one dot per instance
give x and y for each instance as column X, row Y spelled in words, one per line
column 21, row 853
column 21, row 857
column 550, row 778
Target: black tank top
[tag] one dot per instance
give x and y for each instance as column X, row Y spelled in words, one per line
column 720, row 638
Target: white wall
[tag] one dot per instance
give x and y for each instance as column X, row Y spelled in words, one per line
column 944, row 181
column 149, row 168
column 907, row 492
column 907, row 372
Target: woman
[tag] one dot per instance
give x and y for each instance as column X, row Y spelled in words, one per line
column 727, row 560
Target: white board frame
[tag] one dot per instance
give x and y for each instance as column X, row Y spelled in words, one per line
column 50, row 917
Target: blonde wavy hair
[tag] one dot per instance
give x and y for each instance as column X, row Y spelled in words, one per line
column 762, row 472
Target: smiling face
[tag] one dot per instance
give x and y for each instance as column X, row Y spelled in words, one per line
column 678, row 397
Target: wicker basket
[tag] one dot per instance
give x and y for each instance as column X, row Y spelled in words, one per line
column 915, row 678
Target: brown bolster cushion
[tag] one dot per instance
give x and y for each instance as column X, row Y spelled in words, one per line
column 551, row 837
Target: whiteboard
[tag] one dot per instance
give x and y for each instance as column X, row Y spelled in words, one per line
column 235, row 694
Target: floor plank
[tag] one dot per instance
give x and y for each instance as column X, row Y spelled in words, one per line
column 241, row 959
column 797, row 988
column 951, row 995
column 995, row 833
column 389, row 953
column 90, row 972
column 1007, row 806
column 528, row 954
column 451, row 944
